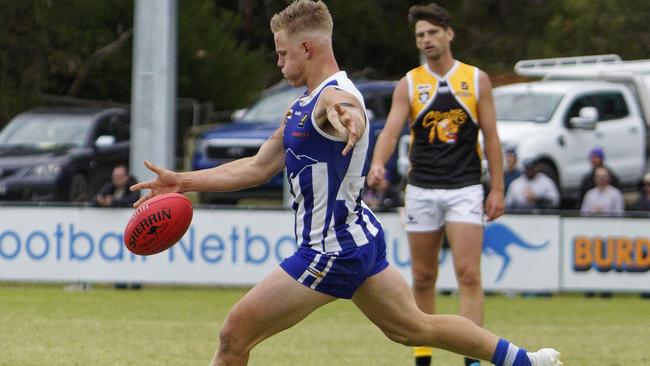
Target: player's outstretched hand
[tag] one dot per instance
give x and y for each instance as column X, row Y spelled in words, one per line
column 166, row 181
column 376, row 175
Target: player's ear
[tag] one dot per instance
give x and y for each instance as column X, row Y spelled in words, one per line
column 307, row 48
column 450, row 34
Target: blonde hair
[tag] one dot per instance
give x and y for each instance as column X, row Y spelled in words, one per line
column 303, row 16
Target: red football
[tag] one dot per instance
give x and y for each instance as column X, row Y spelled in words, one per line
column 158, row 223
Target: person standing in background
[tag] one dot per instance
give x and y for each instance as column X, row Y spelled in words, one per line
column 446, row 103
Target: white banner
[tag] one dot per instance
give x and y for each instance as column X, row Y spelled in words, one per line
column 239, row 247
column 520, row 253
column 228, row 247
column 606, row 254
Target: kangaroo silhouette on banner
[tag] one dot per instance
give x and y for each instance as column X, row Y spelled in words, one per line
column 497, row 238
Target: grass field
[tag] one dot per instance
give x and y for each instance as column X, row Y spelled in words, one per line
column 44, row 325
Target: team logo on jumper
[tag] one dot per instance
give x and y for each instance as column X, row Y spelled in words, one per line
column 297, row 163
column 464, row 92
column 444, row 125
column 289, row 114
column 424, row 92
column 301, row 124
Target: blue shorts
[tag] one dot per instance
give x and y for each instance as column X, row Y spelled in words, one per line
column 338, row 274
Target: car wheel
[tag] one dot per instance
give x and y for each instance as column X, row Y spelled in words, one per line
column 78, row 191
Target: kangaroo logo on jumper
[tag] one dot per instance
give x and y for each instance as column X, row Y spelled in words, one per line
column 498, row 237
column 297, row 163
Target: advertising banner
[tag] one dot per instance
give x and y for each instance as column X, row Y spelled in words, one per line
column 606, row 254
column 239, row 247
column 226, row 247
column 520, row 253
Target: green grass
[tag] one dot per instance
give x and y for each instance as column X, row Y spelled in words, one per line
column 43, row 325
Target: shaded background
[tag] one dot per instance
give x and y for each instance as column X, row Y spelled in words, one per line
column 58, row 51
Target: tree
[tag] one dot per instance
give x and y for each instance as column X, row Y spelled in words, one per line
column 213, row 65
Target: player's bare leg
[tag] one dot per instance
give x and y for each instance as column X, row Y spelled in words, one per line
column 424, row 248
column 386, row 300
column 275, row 304
column 466, row 245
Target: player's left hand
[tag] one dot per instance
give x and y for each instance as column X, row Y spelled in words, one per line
column 494, row 205
column 166, row 181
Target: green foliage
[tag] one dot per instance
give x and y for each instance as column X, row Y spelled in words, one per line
column 82, row 48
column 370, row 39
column 44, row 45
column 213, row 66
column 604, row 26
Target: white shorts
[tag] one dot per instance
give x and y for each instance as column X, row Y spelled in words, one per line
column 428, row 209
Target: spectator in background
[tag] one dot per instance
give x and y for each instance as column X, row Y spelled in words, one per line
column 533, row 189
column 511, row 171
column 597, row 158
column 643, row 204
column 604, row 199
column 116, row 193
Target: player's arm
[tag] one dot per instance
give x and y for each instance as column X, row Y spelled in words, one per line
column 339, row 113
column 494, row 204
column 239, row 174
column 390, row 134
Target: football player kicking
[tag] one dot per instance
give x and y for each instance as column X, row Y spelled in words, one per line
column 323, row 144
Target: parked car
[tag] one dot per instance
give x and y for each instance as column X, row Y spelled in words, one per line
column 61, row 154
column 582, row 102
column 252, row 127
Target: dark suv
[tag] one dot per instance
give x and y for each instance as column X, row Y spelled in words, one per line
column 244, row 136
column 61, row 154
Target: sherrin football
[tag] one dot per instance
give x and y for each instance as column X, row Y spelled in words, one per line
column 158, row 223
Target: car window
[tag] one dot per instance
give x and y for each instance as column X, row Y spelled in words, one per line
column 533, row 107
column 378, row 102
column 46, row 131
column 611, row 106
column 116, row 126
column 577, row 105
column 271, row 107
